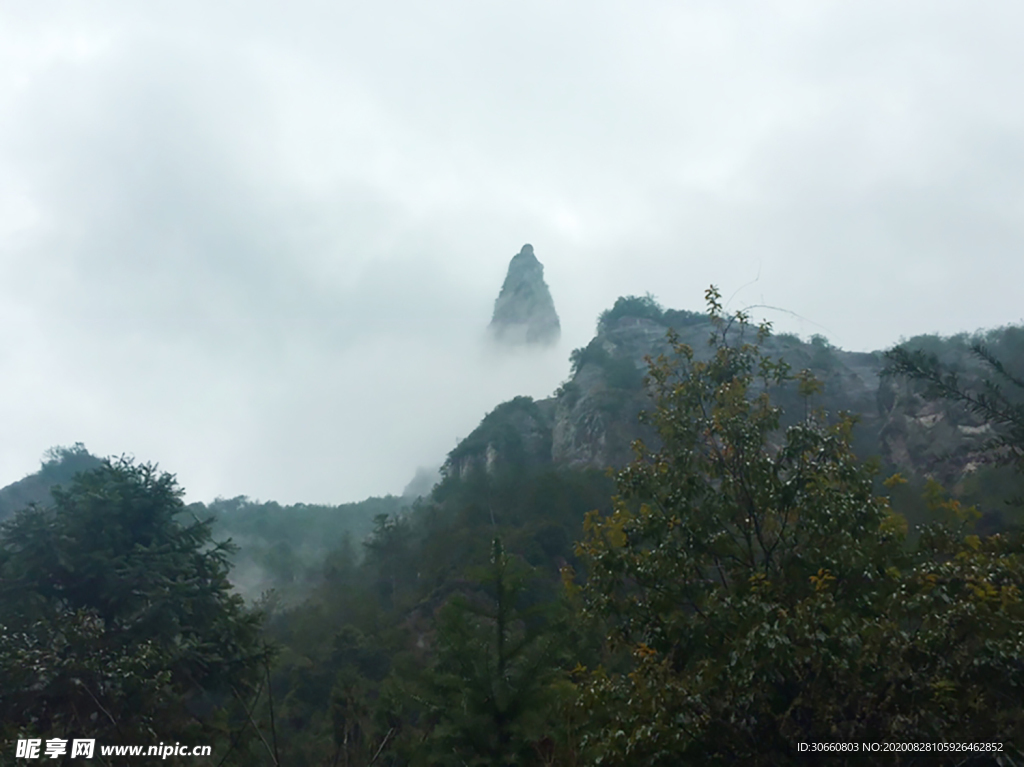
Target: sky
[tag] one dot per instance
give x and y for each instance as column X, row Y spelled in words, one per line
column 259, row 243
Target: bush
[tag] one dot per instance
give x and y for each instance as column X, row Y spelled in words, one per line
column 640, row 307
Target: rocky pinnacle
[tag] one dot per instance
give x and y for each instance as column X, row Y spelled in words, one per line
column 524, row 312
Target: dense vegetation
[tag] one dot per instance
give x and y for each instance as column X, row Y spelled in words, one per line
column 282, row 548
column 743, row 585
column 118, row 619
column 503, row 429
column 760, row 595
column 647, row 308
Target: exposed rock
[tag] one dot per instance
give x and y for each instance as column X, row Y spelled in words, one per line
column 524, row 312
column 597, row 411
column 515, row 433
column 592, row 420
column 931, row 438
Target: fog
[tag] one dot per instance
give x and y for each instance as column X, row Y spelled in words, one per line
column 260, row 244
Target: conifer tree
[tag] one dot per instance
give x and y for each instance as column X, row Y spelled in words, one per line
column 489, row 693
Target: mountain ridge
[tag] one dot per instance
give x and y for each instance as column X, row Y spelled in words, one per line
column 592, row 419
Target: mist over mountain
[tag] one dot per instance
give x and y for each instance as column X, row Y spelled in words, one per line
column 268, row 229
column 590, row 422
column 398, row 614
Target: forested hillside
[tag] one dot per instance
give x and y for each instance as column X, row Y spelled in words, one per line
column 60, row 464
column 283, row 548
column 794, row 544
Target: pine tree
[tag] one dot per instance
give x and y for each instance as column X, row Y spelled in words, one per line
column 489, row 692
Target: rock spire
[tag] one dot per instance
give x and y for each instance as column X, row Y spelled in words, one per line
column 524, row 312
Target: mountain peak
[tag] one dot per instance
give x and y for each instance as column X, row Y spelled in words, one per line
column 524, row 312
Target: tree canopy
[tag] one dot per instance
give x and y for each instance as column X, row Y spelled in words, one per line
column 117, row 619
column 757, row 593
column 744, row 585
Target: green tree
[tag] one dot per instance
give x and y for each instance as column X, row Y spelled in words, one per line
column 642, row 307
column 757, row 593
column 389, row 558
column 491, row 690
column 117, row 619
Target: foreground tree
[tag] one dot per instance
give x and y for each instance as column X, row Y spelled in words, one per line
column 491, row 692
column 757, row 593
column 117, row 620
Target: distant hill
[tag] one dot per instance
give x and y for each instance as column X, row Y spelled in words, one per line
column 59, row 466
column 279, row 547
column 286, row 548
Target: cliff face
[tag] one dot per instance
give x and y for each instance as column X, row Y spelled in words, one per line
column 592, row 419
column 596, row 412
column 931, row 438
column 524, row 312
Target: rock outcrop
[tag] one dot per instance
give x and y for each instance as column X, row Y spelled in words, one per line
column 591, row 420
column 524, row 312
column 515, row 433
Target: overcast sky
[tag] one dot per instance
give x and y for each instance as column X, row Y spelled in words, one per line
column 259, row 243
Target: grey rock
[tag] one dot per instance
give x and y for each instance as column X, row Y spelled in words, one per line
column 515, row 433
column 592, row 420
column 524, row 312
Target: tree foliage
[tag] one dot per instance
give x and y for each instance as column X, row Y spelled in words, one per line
column 117, row 620
column 59, row 466
column 646, row 307
column 746, row 589
column 757, row 593
column 491, row 688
